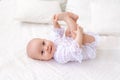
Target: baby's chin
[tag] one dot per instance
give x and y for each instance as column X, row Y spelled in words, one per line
column 47, row 59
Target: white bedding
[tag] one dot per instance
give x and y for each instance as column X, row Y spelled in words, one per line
column 15, row 65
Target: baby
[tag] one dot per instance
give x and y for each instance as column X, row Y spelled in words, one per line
column 75, row 45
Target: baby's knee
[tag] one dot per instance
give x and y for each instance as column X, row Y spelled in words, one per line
column 88, row 39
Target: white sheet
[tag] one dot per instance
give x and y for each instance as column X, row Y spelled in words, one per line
column 15, row 65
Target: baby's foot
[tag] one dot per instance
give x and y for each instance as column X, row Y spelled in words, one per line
column 61, row 16
column 65, row 15
column 73, row 16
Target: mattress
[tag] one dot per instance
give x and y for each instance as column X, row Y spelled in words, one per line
column 16, row 65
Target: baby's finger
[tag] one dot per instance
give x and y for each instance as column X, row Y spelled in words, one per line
column 55, row 17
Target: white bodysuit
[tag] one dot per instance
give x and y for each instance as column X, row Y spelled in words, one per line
column 68, row 49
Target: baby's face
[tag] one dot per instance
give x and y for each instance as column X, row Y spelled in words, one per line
column 41, row 49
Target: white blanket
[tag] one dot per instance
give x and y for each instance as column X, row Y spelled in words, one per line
column 15, row 65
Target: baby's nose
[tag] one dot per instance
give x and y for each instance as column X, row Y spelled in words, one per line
column 46, row 47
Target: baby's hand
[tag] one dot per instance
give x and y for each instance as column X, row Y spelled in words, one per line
column 79, row 30
column 70, row 33
column 73, row 34
column 55, row 22
column 55, row 17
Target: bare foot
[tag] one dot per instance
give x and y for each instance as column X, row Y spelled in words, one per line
column 65, row 15
column 73, row 16
column 61, row 16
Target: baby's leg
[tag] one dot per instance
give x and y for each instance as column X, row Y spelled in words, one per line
column 87, row 38
column 70, row 19
column 72, row 26
column 73, row 16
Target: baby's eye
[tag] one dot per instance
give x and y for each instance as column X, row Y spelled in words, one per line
column 42, row 52
column 43, row 43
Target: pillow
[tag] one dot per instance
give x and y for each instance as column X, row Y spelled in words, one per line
column 99, row 16
column 62, row 3
column 82, row 9
column 105, row 17
column 36, row 11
